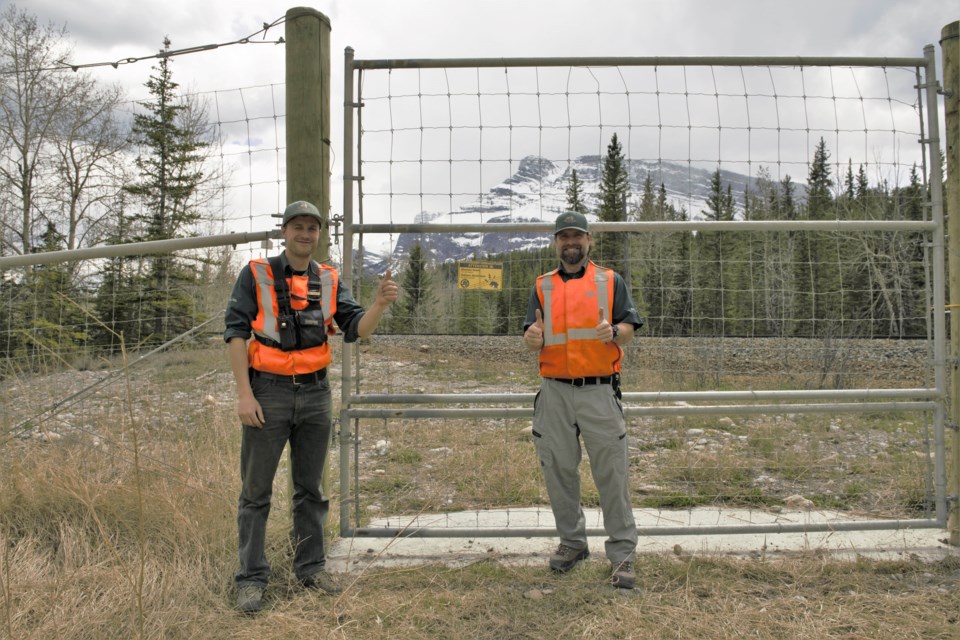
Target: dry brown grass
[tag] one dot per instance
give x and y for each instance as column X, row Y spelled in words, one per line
column 84, row 556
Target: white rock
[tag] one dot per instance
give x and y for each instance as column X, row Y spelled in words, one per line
column 797, row 501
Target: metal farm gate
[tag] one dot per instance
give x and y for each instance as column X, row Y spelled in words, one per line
column 483, row 149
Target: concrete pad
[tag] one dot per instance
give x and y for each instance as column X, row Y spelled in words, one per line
column 467, row 544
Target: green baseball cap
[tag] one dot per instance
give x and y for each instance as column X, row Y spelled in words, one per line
column 300, row 208
column 571, row 220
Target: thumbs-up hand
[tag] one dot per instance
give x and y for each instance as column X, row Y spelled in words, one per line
column 604, row 328
column 387, row 290
column 533, row 337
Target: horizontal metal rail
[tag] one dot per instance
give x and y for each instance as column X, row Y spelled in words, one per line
column 136, row 248
column 527, row 412
column 840, row 226
column 919, row 393
column 549, row 532
column 645, row 61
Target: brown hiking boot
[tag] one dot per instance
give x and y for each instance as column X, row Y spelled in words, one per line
column 323, row 581
column 623, row 576
column 249, row 598
column 566, row 558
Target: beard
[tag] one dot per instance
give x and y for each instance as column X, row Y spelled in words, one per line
column 573, row 254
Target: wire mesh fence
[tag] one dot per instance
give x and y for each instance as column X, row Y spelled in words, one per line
column 773, row 222
column 776, row 233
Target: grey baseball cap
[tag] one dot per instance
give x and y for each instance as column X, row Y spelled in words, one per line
column 300, row 208
column 571, row 220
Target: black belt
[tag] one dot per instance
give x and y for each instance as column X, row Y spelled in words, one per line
column 297, row 378
column 579, row 382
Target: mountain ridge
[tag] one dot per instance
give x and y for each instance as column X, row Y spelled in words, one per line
column 536, row 192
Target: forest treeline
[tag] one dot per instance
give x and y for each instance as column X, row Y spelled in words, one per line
column 815, row 284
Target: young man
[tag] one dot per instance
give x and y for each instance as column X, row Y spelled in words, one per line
column 579, row 316
column 288, row 305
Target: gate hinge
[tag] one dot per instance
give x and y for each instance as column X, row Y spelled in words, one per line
column 336, row 221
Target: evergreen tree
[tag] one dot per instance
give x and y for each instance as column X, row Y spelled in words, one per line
column 647, row 260
column 862, row 185
column 57, row 324
column 413, row 313
column 849, row 185
column 787, row 207
column 170, row 175
column 120, row 296
column 820, row 301
column 720, row 203
column 662, row 205
column 709, row 276
column 648, row 209
column 614, row 194
column 819, row 184
column 663, row 268
column 575, row 194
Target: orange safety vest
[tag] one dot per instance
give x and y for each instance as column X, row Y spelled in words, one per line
column 570, row 317
column 263, row 352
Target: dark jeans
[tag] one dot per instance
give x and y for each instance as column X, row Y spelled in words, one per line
column 300, row 414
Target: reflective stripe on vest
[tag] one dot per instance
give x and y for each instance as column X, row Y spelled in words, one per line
column 264, row 283
column 326, row 289
column 602, row 282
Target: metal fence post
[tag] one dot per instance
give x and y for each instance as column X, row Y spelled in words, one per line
column 949, row 46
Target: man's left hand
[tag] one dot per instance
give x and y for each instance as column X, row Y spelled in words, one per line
column 604, row 329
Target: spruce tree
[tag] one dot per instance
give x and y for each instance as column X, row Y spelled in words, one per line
column 849, row 184
column 614, row 194
column 413, row 313
column 710, row 277
column 819, row 184
column 55, row 322
column 575, row 194
column 863, row 185
column 821, row 301
column 170, row 133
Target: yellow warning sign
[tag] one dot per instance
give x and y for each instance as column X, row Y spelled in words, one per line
column 483, row 276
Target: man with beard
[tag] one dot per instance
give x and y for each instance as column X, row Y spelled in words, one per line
column 579, row 316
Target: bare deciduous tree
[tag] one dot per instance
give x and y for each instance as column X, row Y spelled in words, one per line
column 60, row 141
column 89, row 153
column 32, row 97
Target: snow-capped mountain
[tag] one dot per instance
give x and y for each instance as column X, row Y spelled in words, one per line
column 537, row 193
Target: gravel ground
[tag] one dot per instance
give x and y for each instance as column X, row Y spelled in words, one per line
column 894, row 362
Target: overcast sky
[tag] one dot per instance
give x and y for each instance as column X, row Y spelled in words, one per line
column 108, row 30
column 508, row 28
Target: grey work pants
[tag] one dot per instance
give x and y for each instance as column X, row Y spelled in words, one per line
column 562, row 415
